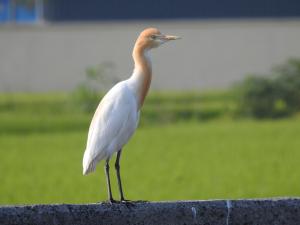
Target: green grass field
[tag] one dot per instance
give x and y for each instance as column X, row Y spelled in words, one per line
column 41, row 154
column 220, row 159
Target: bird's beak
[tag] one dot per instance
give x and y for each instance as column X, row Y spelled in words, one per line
column 170, row 37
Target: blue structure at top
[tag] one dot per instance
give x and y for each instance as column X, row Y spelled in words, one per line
column 19, row 11
column 91, row 10
column 4, row 10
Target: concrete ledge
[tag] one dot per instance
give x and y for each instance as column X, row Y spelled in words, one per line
column 219, row 212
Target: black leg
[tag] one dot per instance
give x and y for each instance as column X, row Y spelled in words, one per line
column 117, row 166
column 111, row 200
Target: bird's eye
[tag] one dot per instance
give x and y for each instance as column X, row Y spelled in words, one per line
column 153, row 37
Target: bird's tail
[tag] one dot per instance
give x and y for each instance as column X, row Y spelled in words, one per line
column 88, row 164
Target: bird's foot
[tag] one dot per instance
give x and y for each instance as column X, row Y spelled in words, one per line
column 132, row 201
column 141, row 201
column 127, row 202
column 112, row 201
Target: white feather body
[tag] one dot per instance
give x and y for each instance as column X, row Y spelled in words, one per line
column 114, row 122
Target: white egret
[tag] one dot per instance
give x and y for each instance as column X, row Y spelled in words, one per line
column 117, row 115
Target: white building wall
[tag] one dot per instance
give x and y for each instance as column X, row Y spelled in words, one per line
column 211, row 54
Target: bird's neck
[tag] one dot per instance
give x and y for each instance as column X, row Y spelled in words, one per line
column 142, row 73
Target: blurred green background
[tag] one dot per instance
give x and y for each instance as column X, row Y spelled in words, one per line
column 190, row 145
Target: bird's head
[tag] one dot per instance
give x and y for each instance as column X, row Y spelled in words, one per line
column 152, row 38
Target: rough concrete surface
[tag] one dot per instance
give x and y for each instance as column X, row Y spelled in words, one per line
column 219, row 212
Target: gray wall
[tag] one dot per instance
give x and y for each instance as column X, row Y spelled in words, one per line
column 211, row 54
column 217, row 212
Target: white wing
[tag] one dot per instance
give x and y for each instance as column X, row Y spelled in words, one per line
column 114, row 122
